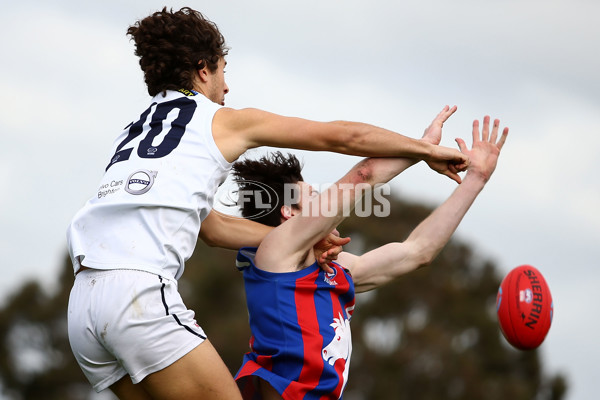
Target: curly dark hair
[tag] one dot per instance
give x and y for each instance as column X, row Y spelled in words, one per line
column 173, row 45
column 266, row 177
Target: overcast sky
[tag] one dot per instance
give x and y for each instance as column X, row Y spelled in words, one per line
column 71, row 82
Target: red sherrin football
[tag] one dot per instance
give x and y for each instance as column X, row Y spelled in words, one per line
column 524, row 306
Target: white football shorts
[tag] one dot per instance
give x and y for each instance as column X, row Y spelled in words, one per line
column 128, row 322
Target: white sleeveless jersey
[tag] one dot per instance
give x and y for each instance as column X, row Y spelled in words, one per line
column 157, row 188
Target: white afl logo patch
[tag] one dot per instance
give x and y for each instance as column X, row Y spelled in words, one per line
column 526, row 295
column 140, row 181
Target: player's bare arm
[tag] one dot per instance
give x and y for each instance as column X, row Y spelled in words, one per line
column 228, row 232
column 386, row 263
column 236, row 131
column 286, row 249
column 233, row 233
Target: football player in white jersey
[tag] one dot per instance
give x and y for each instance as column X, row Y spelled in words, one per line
column 128, row 326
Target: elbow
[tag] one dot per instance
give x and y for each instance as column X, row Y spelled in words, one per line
column 211, row 243
column 423, row 256
column 429, row 254
column 363, row 172
column 425, row 261
column 212, row 234
column 208, row 239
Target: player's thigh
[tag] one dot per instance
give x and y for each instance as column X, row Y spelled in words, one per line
column 124, row 389
column 200, row 374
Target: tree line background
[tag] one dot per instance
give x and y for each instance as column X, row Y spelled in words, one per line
column 431, row 334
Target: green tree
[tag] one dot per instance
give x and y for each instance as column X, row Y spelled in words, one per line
column 432, row 334
column 35, row 357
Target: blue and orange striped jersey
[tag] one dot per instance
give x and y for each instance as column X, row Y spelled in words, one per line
column 300, row 323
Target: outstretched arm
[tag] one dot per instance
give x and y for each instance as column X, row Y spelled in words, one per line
column 236, row 131
column 285, row 249
column 233, row 233
column 385, row 263
column 229, row 232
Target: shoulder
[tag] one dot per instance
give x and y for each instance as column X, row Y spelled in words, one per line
column 240, row 119
column 347, row 260
column 232, row 130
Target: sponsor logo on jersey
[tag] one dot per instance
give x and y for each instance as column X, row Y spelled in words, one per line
column 188, row 93
column 140, row 181
column 109, row 188
column 330, row 277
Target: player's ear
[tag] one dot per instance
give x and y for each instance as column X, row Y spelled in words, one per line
column 203, row 71
column 286, row 212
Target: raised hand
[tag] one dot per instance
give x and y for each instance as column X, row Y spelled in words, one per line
column 433, row 133
column 441, row 162
column 484, row 153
